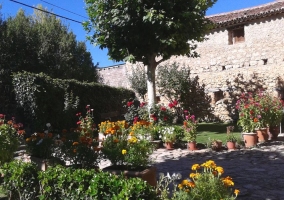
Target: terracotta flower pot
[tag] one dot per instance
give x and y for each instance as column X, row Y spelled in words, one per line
column 275, row 130
column 262, row 135
column 191, row 146
column 169, row 145
column 231, row 145
column 146, row 174
column 250, row 139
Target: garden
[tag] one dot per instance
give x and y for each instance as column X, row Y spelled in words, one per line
column 65, row 164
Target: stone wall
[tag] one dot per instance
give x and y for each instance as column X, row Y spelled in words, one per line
column 258, row 62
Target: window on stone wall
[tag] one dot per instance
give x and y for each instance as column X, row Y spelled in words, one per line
column 218, row 96
column 236, row 35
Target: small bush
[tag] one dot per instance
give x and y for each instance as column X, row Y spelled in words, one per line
column 20, row 180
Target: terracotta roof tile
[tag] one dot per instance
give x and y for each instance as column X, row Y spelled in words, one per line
column 240, row 16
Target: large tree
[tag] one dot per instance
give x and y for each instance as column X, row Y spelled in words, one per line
column 42, row 43
column 148, row 31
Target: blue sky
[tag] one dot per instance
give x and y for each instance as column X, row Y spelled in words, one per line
column 10, row 8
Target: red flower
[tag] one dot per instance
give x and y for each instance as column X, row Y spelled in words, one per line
column 165, row 118
column 129, row 103
column 136, row 119
column 175, row 102
column 79, row 122
column 163, row 108
column 171, row 105
column 142, row 104
column 2, row 116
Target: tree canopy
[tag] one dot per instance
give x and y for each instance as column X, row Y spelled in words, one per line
column 147, row 31
column 42, row 43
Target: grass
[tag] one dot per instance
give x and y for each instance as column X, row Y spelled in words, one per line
column 216, row 131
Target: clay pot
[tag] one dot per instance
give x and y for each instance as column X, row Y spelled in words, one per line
column 191, row 146
column 231, row 145
column 169, row 145
column 250, row 139
column 275, row 130
column 262, row 135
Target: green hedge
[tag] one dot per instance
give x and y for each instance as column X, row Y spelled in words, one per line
column 42, row 100
column 22, row 181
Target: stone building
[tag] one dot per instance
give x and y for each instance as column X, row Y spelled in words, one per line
column 244, row 52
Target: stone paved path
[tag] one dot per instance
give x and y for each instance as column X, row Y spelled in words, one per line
column 258, row 172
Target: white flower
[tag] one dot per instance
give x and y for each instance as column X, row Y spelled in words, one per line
column 46, row 131
column 48, row 125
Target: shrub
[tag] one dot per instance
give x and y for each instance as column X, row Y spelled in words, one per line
column 21, row 180
column 10, row 132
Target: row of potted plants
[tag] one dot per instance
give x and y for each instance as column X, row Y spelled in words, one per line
column 259, row 115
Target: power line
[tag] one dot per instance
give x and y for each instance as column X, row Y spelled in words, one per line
column 64, row 9
column 46, row 11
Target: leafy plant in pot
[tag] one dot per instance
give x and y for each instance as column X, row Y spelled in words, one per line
column 168, row 136
column 128, row 153
column 190, row 131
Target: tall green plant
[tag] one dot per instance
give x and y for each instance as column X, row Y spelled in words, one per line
column 175, row 84
column 137, row 79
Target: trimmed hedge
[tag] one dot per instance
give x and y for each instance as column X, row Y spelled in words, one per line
column 22, row 180
column 42, row 99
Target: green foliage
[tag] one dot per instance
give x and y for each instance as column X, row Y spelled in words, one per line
column 9, row 139
column 137, row 79
column 143, row 31
column 21, row 180
column 175, row 84
column 29, row 43
column 43, row 99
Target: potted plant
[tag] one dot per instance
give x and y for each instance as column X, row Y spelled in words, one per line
column 249, row 118
column 128, row 153
column 231, row 141
column 215, row 144
column 190, row 131
column 168, row 136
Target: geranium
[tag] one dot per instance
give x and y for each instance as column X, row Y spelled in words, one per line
column 250, row 112
column 190, row 128
column 10, row 133
column 258, row 111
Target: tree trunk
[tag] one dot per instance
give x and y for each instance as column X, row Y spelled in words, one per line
column 151, row 85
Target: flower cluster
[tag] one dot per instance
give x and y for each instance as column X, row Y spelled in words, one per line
column 40, row 144
column 206, row 182
column 190, row 127
column 10, row 132
column 79, row 146
column 258, row 111
column 124, row 145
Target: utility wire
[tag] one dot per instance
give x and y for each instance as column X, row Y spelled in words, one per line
column 46, row 11
column 64, row 9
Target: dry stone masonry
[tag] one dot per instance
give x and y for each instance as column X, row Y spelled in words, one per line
column 246, row 44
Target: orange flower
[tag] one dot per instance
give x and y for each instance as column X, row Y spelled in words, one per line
column 116, row 140
column 255, row 120
column 49, row 135
column 75, row 143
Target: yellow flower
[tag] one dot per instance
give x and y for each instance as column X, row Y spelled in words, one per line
column 131, row 133
column 228, row 181
column 195, row 167
column 123, row 152
column 236, row 192
column 180, row 186
column 220, row 170
column 191, row 184
column 75, row 143
column 28, row 139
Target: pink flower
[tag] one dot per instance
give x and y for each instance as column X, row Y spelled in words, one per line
column 2, row 116
column 129, row 103
column 163, row 108
column 185, row 111
column 175, row 102
column 136, row 119
column 142, row 104
column 79, row 122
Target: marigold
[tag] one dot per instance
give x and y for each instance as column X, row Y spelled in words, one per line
column 220, row 170
column 195, row 167
column 75, row 143
column 236, row 192
column 123, row 152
